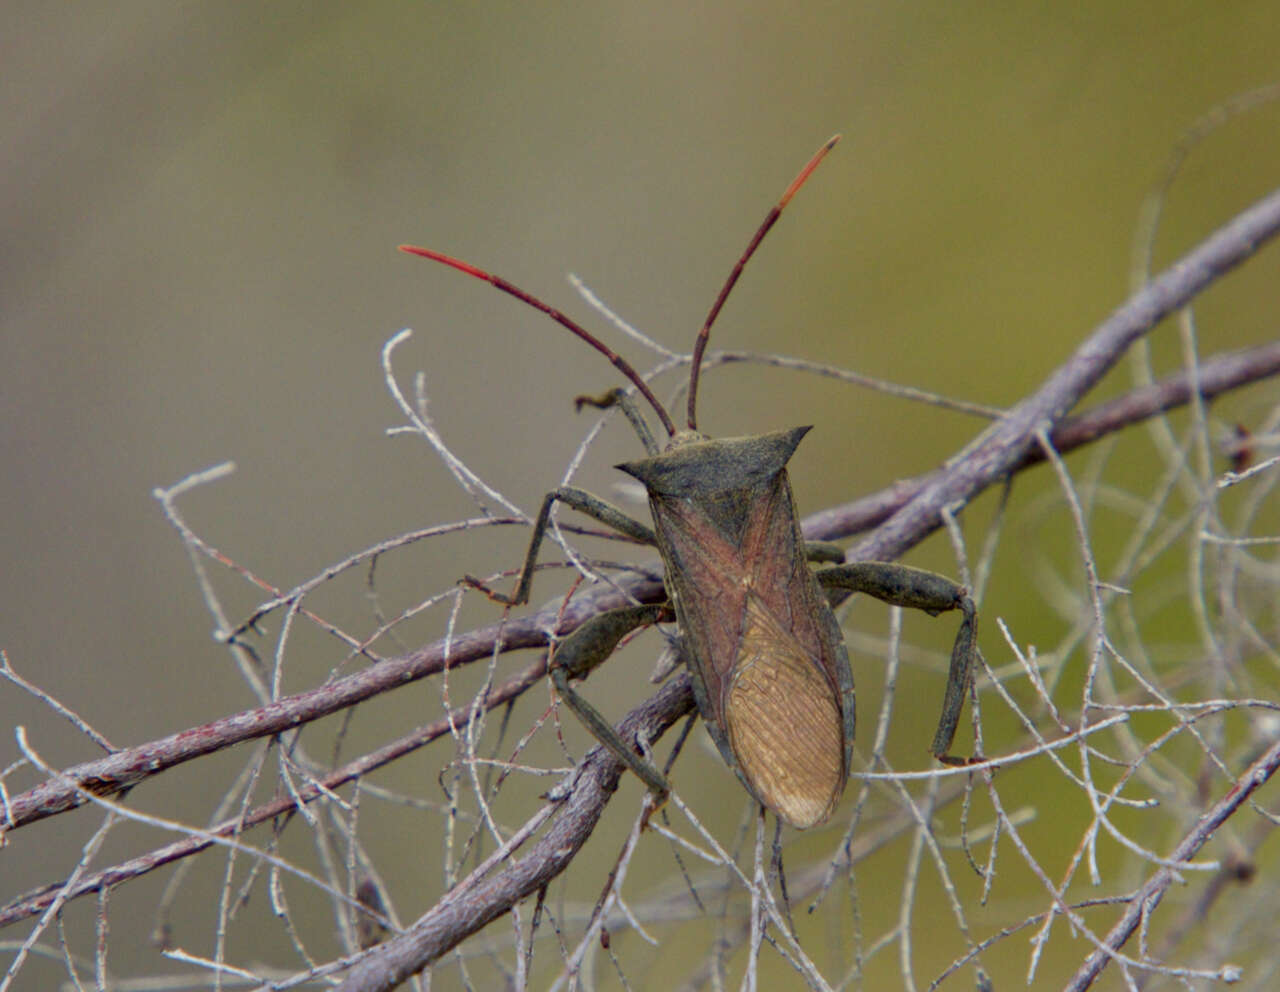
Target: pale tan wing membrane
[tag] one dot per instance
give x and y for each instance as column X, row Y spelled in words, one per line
column 784, row 722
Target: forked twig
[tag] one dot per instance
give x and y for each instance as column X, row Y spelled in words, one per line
column 1005, row 448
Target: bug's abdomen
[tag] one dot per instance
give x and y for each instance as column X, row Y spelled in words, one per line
column 784, row 722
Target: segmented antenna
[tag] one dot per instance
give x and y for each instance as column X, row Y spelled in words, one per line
column 700, row 345
column 620, row 363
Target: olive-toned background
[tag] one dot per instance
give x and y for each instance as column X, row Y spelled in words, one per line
column 201, row 204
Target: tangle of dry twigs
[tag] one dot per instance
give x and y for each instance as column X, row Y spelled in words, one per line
column 1161, row 763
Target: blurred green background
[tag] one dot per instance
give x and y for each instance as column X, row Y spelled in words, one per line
column 201, row 204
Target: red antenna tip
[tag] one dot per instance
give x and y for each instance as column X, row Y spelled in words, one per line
column 808, row 170
column 449, row 260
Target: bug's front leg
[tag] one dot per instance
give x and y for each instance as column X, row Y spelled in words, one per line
column 902, row 585
column 586, row 648
column 582, row 501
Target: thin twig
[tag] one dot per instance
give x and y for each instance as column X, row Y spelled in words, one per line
column 132, row 765
column 1143, row 902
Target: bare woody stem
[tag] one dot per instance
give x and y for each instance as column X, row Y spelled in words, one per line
column 1215, row 376
column 129, row 766
column 1007, row 442
column 1005, row 445
column 1148, row 896
column 1005, row 448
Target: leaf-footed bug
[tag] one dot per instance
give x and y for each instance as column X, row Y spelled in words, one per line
column 768, row 663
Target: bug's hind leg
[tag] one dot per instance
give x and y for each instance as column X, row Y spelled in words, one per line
column 582, row 651
column 902, row 585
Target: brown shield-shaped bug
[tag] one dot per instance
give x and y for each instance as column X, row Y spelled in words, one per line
column 767, row 659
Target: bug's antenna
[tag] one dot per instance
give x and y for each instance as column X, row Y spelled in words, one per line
column 700, row 345
column 620, row 363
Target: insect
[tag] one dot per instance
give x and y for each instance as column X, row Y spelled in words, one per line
column 767, row 660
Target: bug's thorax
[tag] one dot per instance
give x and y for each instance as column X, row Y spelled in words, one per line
column 694, row 465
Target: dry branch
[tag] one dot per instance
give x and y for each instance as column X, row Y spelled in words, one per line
column 906, row 514
column 1144, row 902
column 129, row 766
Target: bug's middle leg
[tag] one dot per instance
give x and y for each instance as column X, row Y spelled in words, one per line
column 902, row 585
column 582, row 651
